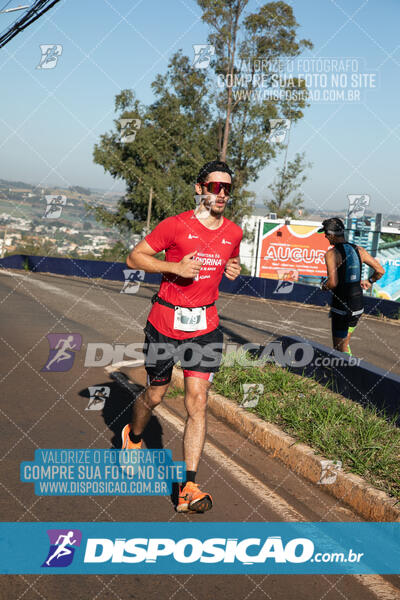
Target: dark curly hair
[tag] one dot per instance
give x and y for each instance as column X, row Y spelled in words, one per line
column 211, row 167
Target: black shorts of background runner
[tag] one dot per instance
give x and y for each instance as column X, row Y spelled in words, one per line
column 341, row 324
column 202, row 354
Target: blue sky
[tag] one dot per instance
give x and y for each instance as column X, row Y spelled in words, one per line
column 51, row 119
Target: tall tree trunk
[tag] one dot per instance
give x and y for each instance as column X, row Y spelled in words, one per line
column 230, row 70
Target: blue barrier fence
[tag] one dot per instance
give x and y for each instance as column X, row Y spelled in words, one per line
column 91, row 269
column 243, row 285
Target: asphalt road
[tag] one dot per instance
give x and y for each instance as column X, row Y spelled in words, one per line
column 48, row 410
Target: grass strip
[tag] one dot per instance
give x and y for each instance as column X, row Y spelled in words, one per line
column 365, row 440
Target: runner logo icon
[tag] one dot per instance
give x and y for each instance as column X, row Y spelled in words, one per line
column 202, row 55
column 98, row 396
column 54, row 206
column 358, row 203
column 329, row 471
column 286, row 279
column 62, row 547
column 132, row 281
column 50, row 55
column 62, row 348
column 129, row 129
column 277, row 130
column 251, row 394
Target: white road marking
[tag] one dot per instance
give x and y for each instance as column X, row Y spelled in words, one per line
column 254, row 486
column 382, row 589
column 105, row 312
column 124, row 363
column 292, row 326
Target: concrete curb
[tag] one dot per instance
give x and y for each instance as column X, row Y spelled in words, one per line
column 367, row 501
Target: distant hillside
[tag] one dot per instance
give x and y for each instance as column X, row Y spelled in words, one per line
column 19, row 184
column 85, row 191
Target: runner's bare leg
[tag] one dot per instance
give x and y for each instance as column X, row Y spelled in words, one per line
column 341, row 344
column 196, row 390
column 144, row 405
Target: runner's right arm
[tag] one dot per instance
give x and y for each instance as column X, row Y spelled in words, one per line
column 142, row 257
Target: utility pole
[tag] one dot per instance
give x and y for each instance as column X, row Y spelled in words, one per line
column 285, row 164
column 149, row 211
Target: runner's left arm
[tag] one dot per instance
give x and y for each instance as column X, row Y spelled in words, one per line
column 331, row 267
column 233, row 268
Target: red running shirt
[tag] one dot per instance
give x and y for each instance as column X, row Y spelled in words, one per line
column 178, row 236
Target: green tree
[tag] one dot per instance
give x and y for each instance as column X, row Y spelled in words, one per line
column 197, row 116
column 286, row 195
column 265, row 35
column 171, row 144
column 116, row 254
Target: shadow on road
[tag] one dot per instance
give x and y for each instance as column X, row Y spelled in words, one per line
column 117, row 409
column 117, row 412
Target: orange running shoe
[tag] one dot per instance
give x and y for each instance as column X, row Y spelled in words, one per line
column 192, row 499
column 127, row 444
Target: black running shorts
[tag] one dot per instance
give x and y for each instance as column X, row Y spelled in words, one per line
column 341, row 324
column 202, row 354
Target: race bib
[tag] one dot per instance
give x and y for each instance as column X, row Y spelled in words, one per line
column 190, row 319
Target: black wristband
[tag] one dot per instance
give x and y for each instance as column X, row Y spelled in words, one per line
column 369, row 279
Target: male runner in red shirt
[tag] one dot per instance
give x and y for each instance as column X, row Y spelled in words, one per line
column 200, row 245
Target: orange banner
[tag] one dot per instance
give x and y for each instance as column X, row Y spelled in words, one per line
column 291, row 248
